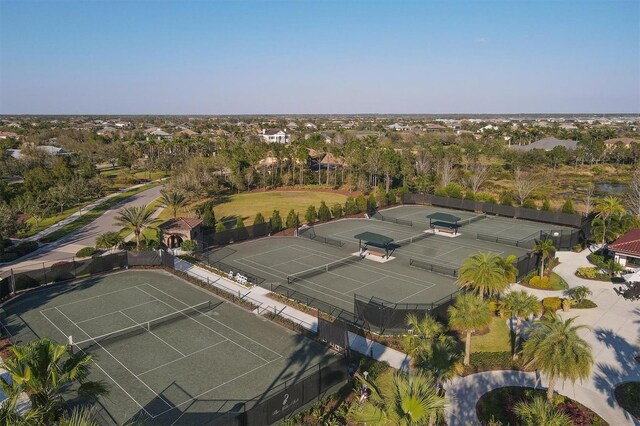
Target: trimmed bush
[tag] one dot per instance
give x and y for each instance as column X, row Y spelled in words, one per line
column 542, row 283
column 323, row 212
column 336, row 210
column 350, row 206
column 189, row 245
column 276, row 221
column 292, row 219
column 361, row 203
column 259, row 219
column 239, row 223
column 529, row 204
column 551, row 304
column 86, row 252
column 585, row 304
column 311, row 215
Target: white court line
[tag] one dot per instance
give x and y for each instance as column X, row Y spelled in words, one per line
column 180, row 359
column 267, row 252
column 391, row 274
column 315, row 285
column 362, row 286
column 216, row 387
column 116, row 359
column 195, row 320
column 89, row 298
column 325, row 271
column 114, row 312
column 415, row 294
column 221, row 323
column 154, row 335
column 298, row 258
column 102, row 369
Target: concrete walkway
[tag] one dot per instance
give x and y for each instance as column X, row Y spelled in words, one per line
column 613, row 330
column 259, row 295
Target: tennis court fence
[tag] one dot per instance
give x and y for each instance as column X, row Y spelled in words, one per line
column 384, row 317
column 377, row 215
column 563, row 239
column 310, row 233
column 558, row 218
column 23, row 278
column 432, row 267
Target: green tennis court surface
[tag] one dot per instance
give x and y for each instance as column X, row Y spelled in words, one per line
column 179, row 355
column 422, row 269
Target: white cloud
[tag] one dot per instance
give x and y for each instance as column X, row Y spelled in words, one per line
column 482, row 40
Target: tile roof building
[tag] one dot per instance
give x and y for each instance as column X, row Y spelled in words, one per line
column 626, row 249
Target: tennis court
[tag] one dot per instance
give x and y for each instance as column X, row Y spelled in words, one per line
column 171, row 352
column 471, row 223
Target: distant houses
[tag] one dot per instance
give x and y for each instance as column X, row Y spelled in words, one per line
column 48, row 149
column 275, row 136
column 547, row 144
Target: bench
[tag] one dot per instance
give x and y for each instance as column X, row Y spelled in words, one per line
column 375, row 253
column 447, row 230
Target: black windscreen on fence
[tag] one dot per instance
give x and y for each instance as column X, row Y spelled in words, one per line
column 333, row 332
column 294, row 396
column 384, row 317
column 211, row 238
column 558, row 218
column 5, row 287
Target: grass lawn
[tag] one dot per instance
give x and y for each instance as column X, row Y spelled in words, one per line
column 499, row 403
column 498, row 339
column 49, row 221
column 556, row 282
column 121, row 178
column 94, row 214
column 628, row 396
column 249, row 204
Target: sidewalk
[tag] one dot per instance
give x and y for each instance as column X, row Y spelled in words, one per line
column 258, row 295
column 612, row 331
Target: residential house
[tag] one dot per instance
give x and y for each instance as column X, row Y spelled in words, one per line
column 399, row 127
column 275, row 136
column 9, row 135
column 487, row 128
column 435, row 128
column 611, row 143
column 626, row 249
column 157, row 133
column 547, row 144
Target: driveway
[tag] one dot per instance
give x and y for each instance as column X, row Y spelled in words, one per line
column 67, row 246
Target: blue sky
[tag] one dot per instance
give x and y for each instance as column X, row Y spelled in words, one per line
column 246, row 57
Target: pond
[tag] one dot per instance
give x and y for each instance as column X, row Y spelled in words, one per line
column 612, row 188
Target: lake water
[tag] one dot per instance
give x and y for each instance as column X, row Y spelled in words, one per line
column 611, row 188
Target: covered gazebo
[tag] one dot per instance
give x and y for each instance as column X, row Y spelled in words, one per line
column 177, row 230
column 374, row 240
column 443, row 220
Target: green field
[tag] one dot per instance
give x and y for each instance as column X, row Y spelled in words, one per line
column 249, row 204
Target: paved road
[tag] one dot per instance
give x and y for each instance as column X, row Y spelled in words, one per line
column 85, row 237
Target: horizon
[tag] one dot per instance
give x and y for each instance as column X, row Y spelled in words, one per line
column 137, row 58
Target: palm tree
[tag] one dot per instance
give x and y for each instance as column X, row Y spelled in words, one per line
column 613, row 267
column 484, row 273
column 110, row 240
column 519, row 305
column 579, row 293
column 468, row 314
column 135, row 218
column 545, row 249
column 44, row 370
column 173, row 200
column 407, row 400
column 508, row 266
column 540, row 412
column 556, row 350
column 606, row 209
column 427, row 329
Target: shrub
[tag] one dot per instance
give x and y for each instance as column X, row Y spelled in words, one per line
column 239, row 223
column 292, row 219
column 546, row 205
column 527, row 278
column 86, row 252
column 566, row 304
column 350, row 206
column 506, row 198
column 589, row 272
column 220, row 227
column 542, row 283
column 311, row 215
column 380, row 198
column 452, row 190
column 577, row 248
column 585, row 304
column 361, row 202
column 259, row 219
column 401, row 192
column 372, row 204
column 189, row 245
column 567, row 207
column 597, row 259
column 276, row 221
column 323, row 212
column 23, row 248
column 391, row 197
column 336, row 210
column 488, row 361
column 529, row 204
column 551, row 304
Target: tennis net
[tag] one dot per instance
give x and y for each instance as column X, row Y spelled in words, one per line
column 413, row 239
column 472, row 219
column 143, row 327
column 322, row 269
